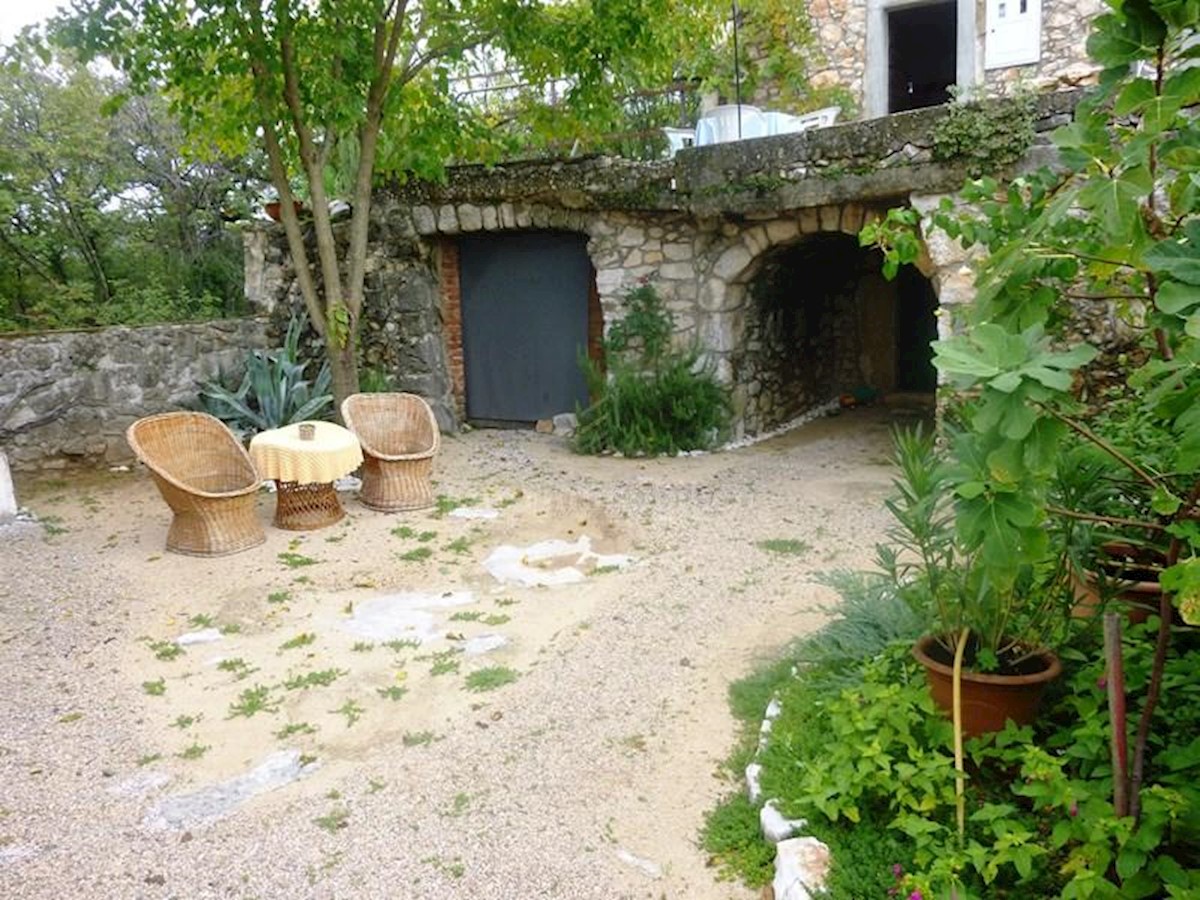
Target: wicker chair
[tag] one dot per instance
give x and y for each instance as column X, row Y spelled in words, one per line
column 399, row 438
column 207, row 479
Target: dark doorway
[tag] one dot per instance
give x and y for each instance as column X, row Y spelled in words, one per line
column 525, row 324
column 916, row 327
column 922, row 55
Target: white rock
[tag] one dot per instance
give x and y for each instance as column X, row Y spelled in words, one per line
column 775, row 826
column 565, row 423
column 484, row 643
column 774, row 708
column 801, row 866
column 403, row 616
column 647, row 867
column 549, row 563
column 754, row 782
column 8, row 496
column 212, row 803
column 474, row 512
column 204, row 636
column 348, row 484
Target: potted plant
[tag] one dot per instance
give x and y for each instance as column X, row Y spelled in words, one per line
column 997, row 615
column 1113, row 230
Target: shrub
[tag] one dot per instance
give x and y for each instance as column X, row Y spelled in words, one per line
column 656, row 398
column 274, row 391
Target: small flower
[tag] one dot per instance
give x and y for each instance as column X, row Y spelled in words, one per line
column 1102, row 682
column 916, row 895
column 897, row 871
column 1074, row 810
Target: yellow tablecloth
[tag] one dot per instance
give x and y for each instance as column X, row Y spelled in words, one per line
column 282, row 455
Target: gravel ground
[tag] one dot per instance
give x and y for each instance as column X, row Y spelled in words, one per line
column 610, row 740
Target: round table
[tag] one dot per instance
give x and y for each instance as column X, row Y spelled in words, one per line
column 304, row 471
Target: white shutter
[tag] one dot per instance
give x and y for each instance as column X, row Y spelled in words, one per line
column 1014, row 33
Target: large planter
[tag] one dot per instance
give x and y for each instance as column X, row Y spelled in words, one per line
column 1130, row 573
column 988, row 700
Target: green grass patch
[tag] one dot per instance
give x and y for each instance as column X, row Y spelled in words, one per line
column 303, row 639
column 253, row 701
column 464, row 616
column 392, row 692
column 315, row 679
column 238, row 667
column 166, row 650
column 195, row 751
column 296, row 560
column 418, row 738
column 294, row 728
column 491, row 678
column 785, row 546
column 351, row 710
column 417, row 554
column 155, row 688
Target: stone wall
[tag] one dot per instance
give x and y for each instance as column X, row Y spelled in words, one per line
column 67, row 397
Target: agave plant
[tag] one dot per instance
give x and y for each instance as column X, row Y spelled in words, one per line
column 273, row 392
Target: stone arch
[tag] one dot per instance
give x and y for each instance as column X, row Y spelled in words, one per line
column 794, row 313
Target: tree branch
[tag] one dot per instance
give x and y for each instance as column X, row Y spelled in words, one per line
column 1103, row 445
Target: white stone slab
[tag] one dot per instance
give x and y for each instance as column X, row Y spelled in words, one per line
column 754, row 782
column 549, row 563
column 8, row 495
column 484, row 643
column 801, row 866
column 647, row 867
column 204, row 636
column 775, row 826
column 210, row 804
column 403, row 616
column 474, row 512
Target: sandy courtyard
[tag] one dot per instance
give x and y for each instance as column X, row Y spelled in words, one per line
column 560, row 741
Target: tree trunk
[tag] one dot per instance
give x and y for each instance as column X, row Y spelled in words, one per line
column 343, row 366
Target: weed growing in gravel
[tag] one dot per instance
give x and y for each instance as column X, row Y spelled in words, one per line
column 491, row 678
column 296, row 560
column 200, row 620
column 166, row 650
column 453, row 867
column 231, row 628
column 301, row 640
column 155, row 688
column 444, row 662
column 69, row 718
column 458, row 805
column 496, row 619
column 444, row 504
column 279, row 596
column 784, row 546
column 507, row 601
column 320, row 678
column 335, row 820
column 426, row 536
column 253, row 701
column 605, row 570
column 404, row 531
column 362, row 647
column 375, row 785
column 301, row 579
column 239, row 668
column 53, row 526
column 418, row 738
column 195, row 751
column 459, row 545
column 509, row 501
column 335, row 538
column 417, row 554
column 402, row 644
column 464, row 616
column 182, row 722
column 393, row 692
column 351, row 710
column 148, row 759
column 295, row 728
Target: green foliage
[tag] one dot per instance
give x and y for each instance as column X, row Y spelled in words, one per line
column 733, row 840
column 103, row 224
column 1119, row 225
column 490, row 678
column 941, row 563
column 987, row 136
column 656, row 398
column 274, row 391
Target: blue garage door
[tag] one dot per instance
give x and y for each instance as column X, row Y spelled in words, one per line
column 525, row 324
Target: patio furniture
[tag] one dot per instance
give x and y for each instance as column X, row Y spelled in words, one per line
column 206, row 478
column 304, row 471
column 400, row 437
column 730, row 122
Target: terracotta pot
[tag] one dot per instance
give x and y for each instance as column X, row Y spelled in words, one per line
column 1125, row 568
column 988, row 701
column 274, row 209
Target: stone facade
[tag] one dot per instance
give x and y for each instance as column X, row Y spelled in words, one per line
column 67, row 397
column 751, row 245
column 844, row 52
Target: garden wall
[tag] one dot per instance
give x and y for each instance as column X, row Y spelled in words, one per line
column 67, row 397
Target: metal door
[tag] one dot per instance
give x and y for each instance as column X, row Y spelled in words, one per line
column 525, row 324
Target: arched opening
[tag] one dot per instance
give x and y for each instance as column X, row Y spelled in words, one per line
column 821, row 321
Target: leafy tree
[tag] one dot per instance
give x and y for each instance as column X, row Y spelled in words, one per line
column 339, row 92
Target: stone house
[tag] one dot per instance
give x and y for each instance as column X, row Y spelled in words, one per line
column 483, row 291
